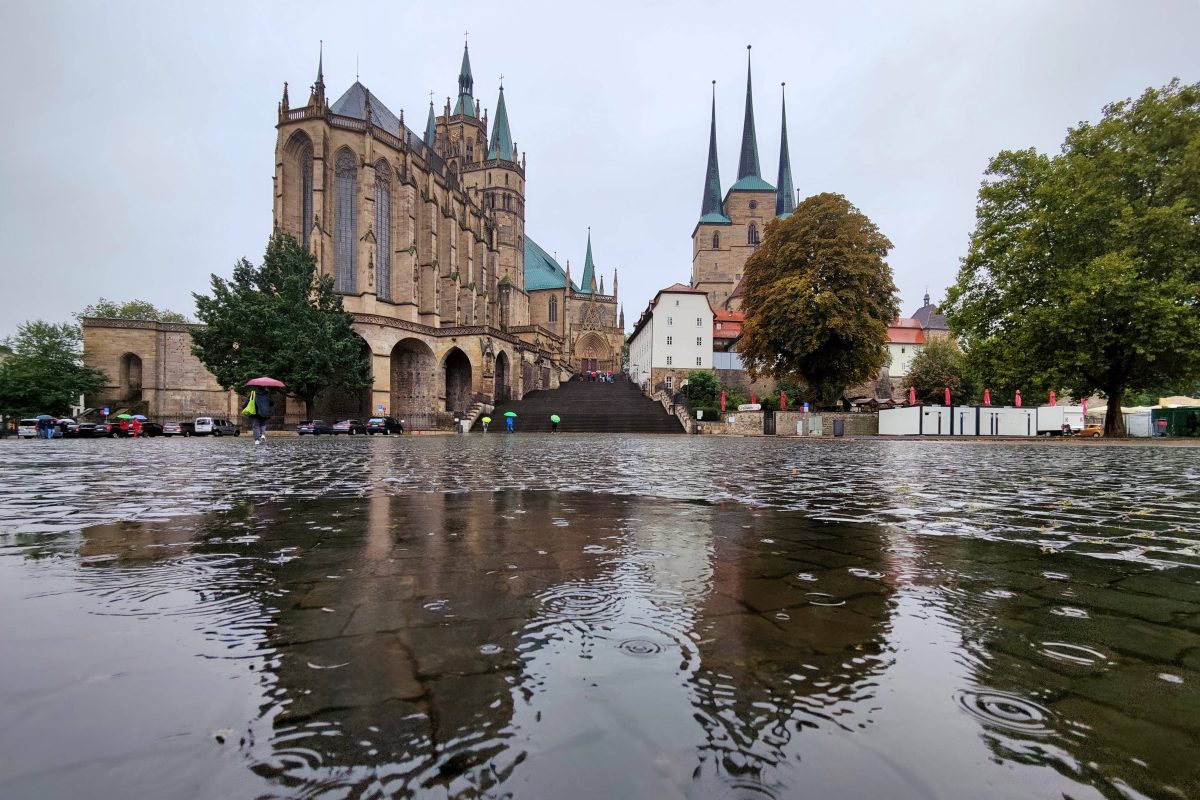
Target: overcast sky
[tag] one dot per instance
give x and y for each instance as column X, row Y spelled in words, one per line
column 137, row 149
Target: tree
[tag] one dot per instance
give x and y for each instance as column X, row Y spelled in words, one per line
column 280, row 320
column 703, row 388
column 818, row 297
column 45, row 373
column 132, row 309
column 939, row 365
column 1084, row 268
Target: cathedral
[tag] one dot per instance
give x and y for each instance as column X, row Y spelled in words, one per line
column 731, row 229
column 424, row 235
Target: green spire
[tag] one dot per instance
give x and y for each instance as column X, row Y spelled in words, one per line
column 785, row 196
column 430, row 128
column 748, row 165
column 501, row 145
column 466, row 84
column 711, row 204
column 588, row 286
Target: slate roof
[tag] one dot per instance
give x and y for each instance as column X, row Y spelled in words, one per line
column 501, row 146
column 929, row 319
column 541, row 270
column 353, row 103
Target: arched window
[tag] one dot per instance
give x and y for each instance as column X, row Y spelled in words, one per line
column 716, row 240
column 752, row 235
column 582, row 311
column 345, row 220
column 552, row 312
column 383, row 230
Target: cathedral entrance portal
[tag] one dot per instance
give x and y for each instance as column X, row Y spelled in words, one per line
column 503, row 391
column 457, row 371
column 412, row 373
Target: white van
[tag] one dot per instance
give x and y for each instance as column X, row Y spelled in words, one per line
column 27, row 428
column 216, row 426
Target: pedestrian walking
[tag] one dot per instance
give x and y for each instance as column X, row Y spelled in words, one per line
column 137, row 428
column 554, row 420
column 508, row 423
column 258, row 408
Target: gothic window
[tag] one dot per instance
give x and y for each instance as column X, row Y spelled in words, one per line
column 552, row 313
column 345, row 220
column 306, row 194
column 383, row 230
column 470, row 151
column 752, row 235
column 753, row 204
column 716, row 240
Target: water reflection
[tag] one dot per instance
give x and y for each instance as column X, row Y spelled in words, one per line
column 546, row 643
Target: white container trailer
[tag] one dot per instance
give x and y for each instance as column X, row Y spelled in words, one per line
column 900, row 421
column 1138, row 423
column 1050, row 419
column 1007, row 421
column 935, row 420
column 966, row 420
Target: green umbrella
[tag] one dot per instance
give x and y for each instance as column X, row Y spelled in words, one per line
column 487, row 419
column 124, row 416
column 555, row 418
column 510, row 413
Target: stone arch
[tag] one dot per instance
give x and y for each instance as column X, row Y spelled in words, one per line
column 131, row 377
column 593, row 352
column 456, row 374
column 503, row 377
column 412, row 366
column 298, row 187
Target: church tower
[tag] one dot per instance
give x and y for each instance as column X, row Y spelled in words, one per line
column 463, row 131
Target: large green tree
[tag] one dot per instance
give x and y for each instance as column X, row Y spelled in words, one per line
column 939, row 366
column 131, row 309
column 1084, row 268
column 45, row 373
column 282, row 320
column 818, row 297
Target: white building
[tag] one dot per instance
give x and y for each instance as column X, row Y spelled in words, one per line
column 672, row 337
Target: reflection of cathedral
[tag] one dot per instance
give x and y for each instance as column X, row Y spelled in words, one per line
column 424, row 236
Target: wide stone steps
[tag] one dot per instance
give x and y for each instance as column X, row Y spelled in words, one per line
column 587, row 407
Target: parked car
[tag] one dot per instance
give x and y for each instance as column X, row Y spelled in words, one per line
column 1092, row 431
column 178, row 428
column 350, row 426
column 27, row 428
column 79, row 430
column 384, row 425
column 106, row 429
column 215, row 426
column 314, row 427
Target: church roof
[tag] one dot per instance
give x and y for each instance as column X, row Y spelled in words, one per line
column 353, row 103
column 589, row 267
column 501, row 146
column 542, row 271
column 785, row 198
column 466, row 103
column 929, row 318
column 710, row 206
column 748, row 163
column 751, row 183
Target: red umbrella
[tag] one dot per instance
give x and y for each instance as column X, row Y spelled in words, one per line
column 753, row 398
column 912, row 395
column 783, row 401
column 722, row 399
column 1052, row 397
column 270, row 382
column 1018, row 400
column 947, row 395
column 987, row 397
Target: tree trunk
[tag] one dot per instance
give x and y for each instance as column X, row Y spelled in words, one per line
column 308, row 407
column 1114, row 420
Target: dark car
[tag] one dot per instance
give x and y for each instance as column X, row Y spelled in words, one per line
column 384, row 425
column 178, row 428
column 107, row 429
column 314, row 427
column 79, row 430
column 350, row 426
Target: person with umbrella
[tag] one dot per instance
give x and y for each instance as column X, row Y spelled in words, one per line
column 136, row 425
column 554, row 420
column 486, row 421
column 509, row 416
column 259, row 406
column 126, row 420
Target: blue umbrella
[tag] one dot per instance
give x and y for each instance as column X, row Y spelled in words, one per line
column 139, row 416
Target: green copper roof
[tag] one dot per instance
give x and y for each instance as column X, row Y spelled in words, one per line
column 430, row 128
column 541, row 270
column 785, row 197
column 589, row 269
column 466, row 103
column 748, row 164
column 752, row 183
column 715, row 219
column 710, row 206
column 501, row 145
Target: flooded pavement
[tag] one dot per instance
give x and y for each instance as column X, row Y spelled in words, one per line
column 598, row 617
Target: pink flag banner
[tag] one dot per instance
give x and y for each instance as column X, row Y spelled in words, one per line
column 947, row 395
column 912, row 395
column 987, row 397
column 1053, row 398
column 1018, row 399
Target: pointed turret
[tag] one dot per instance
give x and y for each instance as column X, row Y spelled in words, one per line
column 284, row 102
column 466, row 84
column 748, row 163
column 710, row 206
column 785, row 195
column 601, row 284
column 318, row 88
column 501, row 145
column 588, row 285
column 430, row 128
column 621, row 323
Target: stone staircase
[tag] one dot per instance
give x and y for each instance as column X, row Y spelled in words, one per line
column 587, row 407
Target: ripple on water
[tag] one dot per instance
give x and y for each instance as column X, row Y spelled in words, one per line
column 859, row 572
column 1005, row 710
column 823, row 599
column 1069, row 611
column 581, row 601
column 1075, row 654
column 490, row 649
column 643, row 648
column 999, row 594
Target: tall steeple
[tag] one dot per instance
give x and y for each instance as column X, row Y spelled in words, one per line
column 501, row 145
column 588, row 285
column 318, row 89
column 466, row 85
column 748, row 163
column 430, row 127
column 711, row 204
column 785, row 202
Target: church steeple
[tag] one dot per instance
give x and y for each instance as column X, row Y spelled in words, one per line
column 588, row 285
column 501, row 145
column 711, row 203
column 748, row 163
column 785, row 202
column 466, row 85
column 318, row 89
column 430, row 128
